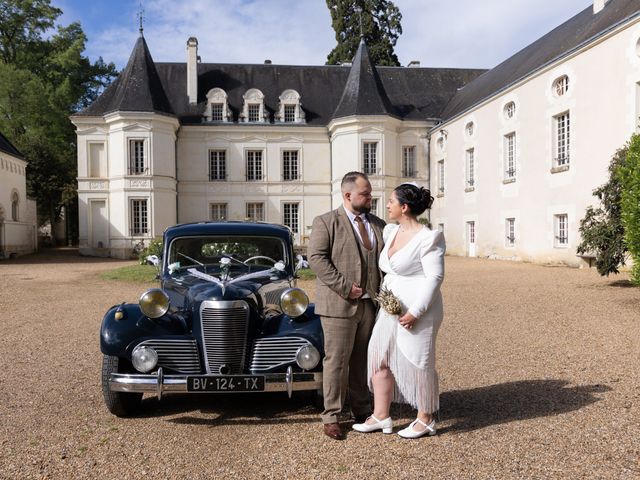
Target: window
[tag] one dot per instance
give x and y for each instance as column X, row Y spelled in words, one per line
column 471, row 232
column 441, row 177
column 290, row 165
column 409, row 162
column 374, row 206
column 217, row 211
column 254, row 113
column 15, row 202
column 470, row 168
column 510, row 156
column 562, row 230
column 509, row 110
column 510, row 232
column 441, row 227
column 369, row 157
column 255, row 211
column 139, row 218
column 290, row 216
column 289, row 113
column 561, row 86
column 441, row 143
column 469, row 129
column 254, row 165
column 562, row 140
column 217, row 110
column 137, row 164
column 217, row 165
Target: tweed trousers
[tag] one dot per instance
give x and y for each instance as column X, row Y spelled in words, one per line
column 345, row 362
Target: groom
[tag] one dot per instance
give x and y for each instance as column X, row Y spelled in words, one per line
column 343, row 252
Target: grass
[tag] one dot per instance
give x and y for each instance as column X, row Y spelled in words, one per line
column 132, row 273
column 306, row 274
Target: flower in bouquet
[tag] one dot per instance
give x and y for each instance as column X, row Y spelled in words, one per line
column 389, row 302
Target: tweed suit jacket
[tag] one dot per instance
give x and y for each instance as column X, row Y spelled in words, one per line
column 335, row 258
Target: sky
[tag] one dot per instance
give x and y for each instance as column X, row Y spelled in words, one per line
column 437, row 33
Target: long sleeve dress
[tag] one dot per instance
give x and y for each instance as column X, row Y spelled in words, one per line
column 414, row 274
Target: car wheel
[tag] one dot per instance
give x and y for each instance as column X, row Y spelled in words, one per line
column 121, row 404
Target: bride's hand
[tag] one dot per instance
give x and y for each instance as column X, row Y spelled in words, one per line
column 407, row 320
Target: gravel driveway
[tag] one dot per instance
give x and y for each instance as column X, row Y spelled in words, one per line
column 538, row 367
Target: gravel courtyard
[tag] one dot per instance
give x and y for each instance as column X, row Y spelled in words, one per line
column 538, row 367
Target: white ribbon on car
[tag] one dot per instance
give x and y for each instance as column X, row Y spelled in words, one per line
column 278, row 267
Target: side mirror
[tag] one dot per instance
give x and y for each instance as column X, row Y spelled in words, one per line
column 153, row 260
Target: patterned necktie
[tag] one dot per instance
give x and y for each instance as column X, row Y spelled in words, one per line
column 366, row 241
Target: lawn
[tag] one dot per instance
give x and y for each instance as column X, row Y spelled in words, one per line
column 132, row 273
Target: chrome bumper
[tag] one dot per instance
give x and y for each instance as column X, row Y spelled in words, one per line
column 161, row 384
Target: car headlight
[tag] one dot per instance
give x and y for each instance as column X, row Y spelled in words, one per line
column 154, row 303
column 294, row 302
column 307, row 357
column 144, row 359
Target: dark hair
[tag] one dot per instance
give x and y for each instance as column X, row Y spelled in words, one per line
column 351, row 177
column 418, row 199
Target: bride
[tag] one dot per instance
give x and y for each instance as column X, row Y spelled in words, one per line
column 402, row 348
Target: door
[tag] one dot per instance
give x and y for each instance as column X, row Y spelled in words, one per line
column 471, row 239
column 99, row 224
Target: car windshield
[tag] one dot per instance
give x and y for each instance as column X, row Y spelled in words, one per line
column 235, row 255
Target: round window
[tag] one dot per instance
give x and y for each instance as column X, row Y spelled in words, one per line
column 510, row 110
column 561, row 86
column 469, row 128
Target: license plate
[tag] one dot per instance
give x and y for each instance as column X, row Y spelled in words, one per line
column 226, row 383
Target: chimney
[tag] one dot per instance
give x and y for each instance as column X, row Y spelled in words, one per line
column 414, row 64
column 598, row 5
column 267, row 62
column 192, row 70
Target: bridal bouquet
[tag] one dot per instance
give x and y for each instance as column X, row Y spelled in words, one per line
column 389, row 302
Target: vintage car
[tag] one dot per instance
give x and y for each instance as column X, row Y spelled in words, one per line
column 227, row 318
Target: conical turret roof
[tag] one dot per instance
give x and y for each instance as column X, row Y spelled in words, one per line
column 363, row 93
column 137, row 89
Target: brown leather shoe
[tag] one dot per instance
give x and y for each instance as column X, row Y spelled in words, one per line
column 334, row 431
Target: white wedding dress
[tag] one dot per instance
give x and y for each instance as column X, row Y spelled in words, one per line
column 414, row 274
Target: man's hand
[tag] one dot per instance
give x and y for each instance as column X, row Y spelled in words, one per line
column 356, row 292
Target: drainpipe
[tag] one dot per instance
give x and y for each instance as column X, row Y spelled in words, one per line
column 427, row 152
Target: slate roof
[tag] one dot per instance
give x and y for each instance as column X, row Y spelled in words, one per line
column 363, row 93
column 5, row 146
column 571, row 35
column 137, row 89
column 408, row 93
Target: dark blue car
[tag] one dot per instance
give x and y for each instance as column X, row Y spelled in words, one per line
column 227, row 318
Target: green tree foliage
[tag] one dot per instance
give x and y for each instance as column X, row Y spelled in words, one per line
column 629, row 177
column 380, row 25
column 44, row 78
column 601, row 229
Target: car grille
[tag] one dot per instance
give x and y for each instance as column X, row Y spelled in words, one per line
column 224, row 335
column 180, row 355
column 273, row 297
column 268, row 353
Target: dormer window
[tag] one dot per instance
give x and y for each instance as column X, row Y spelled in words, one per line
column 253, row 109
column 217, row 106
column 290, row 109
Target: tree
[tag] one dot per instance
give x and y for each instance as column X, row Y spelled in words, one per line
column 44, row 78
column 629, row 177
column 601, row 228
column 380, row 26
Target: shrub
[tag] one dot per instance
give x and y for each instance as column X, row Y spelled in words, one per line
column 154, row 248
column 629, row 177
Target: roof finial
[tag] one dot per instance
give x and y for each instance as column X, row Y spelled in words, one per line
column 358, row 10
column 140, row 18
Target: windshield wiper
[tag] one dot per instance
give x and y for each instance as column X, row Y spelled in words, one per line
column 194, row 260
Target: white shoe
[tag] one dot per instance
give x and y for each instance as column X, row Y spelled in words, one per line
column 385, row 425
column 409, row 432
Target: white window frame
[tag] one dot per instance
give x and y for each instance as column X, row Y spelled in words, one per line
column 510, row 156
column 290, row 166
column 217, row 166
column 138, row 164
column 255, row 211
column 440, row 170
column 139, row 225
column 291, row 216
column 290, row 104
column 510, row 232
column 409, row 169
column 217, row 96
column 375, row 202
column 562, row 140
column 252, row 98
column 254, row 167
column 561, row 230
column 471, row 232
column 441, row 227
column 370, row 157
column 510, row 110
column 217, row 112
column 468, row 128
column 218, row 211
column 561, row 86
column 470, row 168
